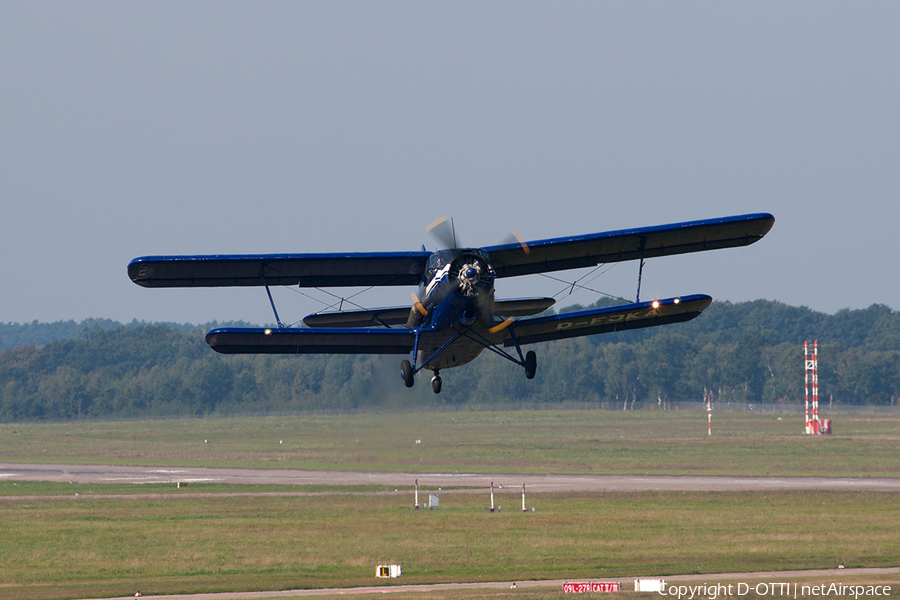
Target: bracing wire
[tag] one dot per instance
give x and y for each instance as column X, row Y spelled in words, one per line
column 571, row 285
column 340, row 299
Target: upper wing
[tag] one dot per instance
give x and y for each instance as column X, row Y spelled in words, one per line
column 628, row 244
column 605, row 320
column 233, row 340
column 305, row 270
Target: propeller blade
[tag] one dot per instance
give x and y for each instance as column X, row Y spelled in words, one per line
column 522, row 242
column 418, row 305
column 515, row 238
column 443, row 230
column 501, row 326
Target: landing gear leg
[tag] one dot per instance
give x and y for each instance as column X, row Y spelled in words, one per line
column 406, row 373
column 436, row 382
column 529, row 361
column 530, row 364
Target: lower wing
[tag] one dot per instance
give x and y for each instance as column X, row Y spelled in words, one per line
column 399, row 315
column 401, row 341
column 310, row 341
column 606, row 320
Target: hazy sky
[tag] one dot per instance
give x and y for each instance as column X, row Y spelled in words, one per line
column 130, row 128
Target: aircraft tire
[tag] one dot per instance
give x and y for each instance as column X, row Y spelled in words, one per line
column 406, row 373
column 530, row 364
column 436, row 384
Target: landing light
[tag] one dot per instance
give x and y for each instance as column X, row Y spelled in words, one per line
column 655, row 304
column 677, row 300
column 268, row 332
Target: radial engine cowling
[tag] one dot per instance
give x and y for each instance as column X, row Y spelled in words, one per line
column 472, row 274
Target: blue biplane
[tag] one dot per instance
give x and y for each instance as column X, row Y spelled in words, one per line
column 454, row 315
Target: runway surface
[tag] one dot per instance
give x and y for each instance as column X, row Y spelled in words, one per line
column 534, row 483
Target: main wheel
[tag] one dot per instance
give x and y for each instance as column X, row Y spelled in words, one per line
column 406, row 373
column 436, row 384
column 530, row 364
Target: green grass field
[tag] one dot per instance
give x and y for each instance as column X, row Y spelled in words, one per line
column 613, row 442
column 93, row 546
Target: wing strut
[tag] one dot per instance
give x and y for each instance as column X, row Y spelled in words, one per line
column 474, row 336
column 640, row 270
column 272, row 302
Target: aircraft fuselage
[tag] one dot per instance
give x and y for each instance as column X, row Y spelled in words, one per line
column 457, row 295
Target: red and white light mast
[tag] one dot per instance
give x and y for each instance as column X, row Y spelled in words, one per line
column 806, row 367
column 811, row 379
column 815, row 385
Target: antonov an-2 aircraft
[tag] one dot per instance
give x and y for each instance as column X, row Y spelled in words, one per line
column 454, row 316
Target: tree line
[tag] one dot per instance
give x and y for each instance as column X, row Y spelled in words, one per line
column 748, row 352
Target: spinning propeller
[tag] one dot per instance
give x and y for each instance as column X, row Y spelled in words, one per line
column 469, row 273
column 445, row 232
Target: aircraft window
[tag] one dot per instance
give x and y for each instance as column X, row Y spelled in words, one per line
column 439, row 259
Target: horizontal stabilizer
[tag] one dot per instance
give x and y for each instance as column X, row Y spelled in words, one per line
column 592, row 249
column 606, row 320
column 397, row 315
column 522, row 307
column 304, row 270
column 310, row 341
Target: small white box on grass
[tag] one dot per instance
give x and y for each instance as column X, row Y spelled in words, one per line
column 650, row 585
column 384, row 571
